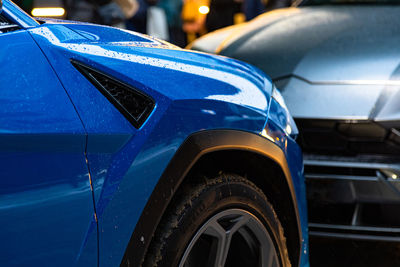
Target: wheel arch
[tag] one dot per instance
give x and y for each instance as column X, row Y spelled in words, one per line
column 230, row 151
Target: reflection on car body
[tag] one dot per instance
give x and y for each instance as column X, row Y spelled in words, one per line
column 120, row 149
column 337, row 64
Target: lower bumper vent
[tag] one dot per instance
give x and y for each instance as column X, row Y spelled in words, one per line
column 357, row 198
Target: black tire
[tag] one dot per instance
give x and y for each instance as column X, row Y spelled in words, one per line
column 221, row 198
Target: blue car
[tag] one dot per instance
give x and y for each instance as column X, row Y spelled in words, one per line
column 119, row 149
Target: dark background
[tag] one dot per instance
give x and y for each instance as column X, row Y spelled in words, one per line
column 346, row 253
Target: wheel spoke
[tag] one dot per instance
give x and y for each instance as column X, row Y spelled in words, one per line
column 223, row 226
column 224, row 236
column 216, row 230
column 238, row 223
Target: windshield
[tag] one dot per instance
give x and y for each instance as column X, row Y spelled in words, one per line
column 334, row 2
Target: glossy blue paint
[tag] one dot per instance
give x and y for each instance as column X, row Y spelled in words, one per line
column 16, row 14
column 179, row 111
column 46, row 205
column 192, row 92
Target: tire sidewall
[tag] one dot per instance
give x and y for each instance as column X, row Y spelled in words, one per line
column 214, row 199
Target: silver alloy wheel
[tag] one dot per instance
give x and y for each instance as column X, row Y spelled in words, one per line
column 228, row 234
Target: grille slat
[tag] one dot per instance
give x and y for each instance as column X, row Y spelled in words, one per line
column 341, row 177
column 352, row 197
column 352, row 171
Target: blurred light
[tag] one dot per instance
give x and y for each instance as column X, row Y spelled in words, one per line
column 266, row 135
column 394, row 176
column 288, row 129
column 204, row 10
column 208, row 111
column 48, row 12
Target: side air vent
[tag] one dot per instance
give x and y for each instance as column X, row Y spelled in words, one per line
column 6, row 26
column 134, row 105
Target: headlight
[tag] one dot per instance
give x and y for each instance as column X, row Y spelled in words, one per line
column 279, row 98
column 286, row 120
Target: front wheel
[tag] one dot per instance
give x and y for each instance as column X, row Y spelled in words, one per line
column 224, row 222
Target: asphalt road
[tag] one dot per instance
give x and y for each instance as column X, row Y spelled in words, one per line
column 349, row 253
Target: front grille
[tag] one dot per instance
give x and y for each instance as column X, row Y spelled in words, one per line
column 341, row 137
column 133, row 104
column 352, row 171
column 353, row 197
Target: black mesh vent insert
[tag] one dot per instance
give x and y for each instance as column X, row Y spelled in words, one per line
column 7, row 26
column 134, row 105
